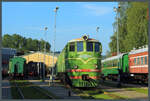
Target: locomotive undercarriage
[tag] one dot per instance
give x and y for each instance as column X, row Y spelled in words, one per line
column 140, row 78
column 86, row 81
column 128, row 78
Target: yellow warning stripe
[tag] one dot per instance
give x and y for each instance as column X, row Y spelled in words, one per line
column 109, row 67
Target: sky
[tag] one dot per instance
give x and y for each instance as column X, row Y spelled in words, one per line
column 73, row 20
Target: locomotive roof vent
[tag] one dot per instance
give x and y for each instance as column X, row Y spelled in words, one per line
column 85, row 37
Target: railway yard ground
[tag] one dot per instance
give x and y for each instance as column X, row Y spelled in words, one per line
column 37, row 89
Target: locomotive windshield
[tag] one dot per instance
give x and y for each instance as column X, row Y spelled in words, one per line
column 89, row 46
column 79, row 46
column 72, row 46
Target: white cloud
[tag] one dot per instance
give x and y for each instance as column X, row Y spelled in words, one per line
column 98, row 10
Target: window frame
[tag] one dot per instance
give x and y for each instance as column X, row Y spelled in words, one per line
column 145, row 60
column 87, row 47
column 82, row 46
column 72, row 45
column 141, row 60
column 135, row 61
column 138, row 60
column 95, row 46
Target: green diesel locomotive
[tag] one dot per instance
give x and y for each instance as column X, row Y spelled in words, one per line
column 79, row 63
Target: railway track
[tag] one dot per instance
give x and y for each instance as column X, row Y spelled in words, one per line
column 27, row 91
column 19, row 91
column 114, row 83
column 45, row 93
column 109, row 90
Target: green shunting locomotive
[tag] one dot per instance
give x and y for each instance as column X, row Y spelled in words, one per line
column 16, row 66
column 79, row 63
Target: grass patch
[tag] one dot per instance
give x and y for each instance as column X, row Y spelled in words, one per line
column 93, row 94
column 140, row 90
column 18, row 80
column 117, row 96
column 102, row 96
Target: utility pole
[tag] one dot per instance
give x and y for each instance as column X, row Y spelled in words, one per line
column 97, row 30
column 54, row 41
column 44, row 65
column 119, row 69
column 116, row 10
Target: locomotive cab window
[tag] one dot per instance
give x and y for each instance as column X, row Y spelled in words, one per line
column 79, row 46
column 72, row 47
column 96, row 47
column 89, row 46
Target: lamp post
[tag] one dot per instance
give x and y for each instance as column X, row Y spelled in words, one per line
column 44, row 66
column 116, row 10
column 97, row 29
column 55, row 10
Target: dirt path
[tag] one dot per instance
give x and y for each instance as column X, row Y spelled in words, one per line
column 122, row 92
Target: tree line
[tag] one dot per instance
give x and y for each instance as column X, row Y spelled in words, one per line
column 132, row 27
column 24, row 44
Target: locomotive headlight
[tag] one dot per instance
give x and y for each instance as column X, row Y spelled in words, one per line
column 75, row 67
column 85, row 37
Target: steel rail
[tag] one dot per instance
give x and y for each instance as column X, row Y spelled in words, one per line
column 51, row 97
column 19, row 91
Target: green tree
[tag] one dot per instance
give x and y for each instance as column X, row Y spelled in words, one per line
column 132, row 27
column 137, row 23
column 24, row 44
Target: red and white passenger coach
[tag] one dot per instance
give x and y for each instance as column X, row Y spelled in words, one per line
column 138, row 63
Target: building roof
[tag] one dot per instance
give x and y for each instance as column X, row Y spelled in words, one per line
column 10, row 51
column 139, row 50
column 51, row 54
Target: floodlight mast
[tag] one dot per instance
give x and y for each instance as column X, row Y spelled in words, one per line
column 55, row 10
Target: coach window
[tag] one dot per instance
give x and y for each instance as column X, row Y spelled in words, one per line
column 96, row 47
column 72, row 46
column 138, row 61
column 134, row 61
column 142, row 60
column 89, row 46
column 79, row 46
column 145, row 59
